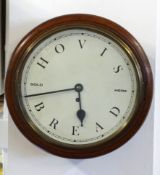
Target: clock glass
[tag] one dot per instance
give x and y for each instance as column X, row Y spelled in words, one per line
column 79, row 87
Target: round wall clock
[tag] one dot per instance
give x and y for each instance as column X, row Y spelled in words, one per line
column 79, row 86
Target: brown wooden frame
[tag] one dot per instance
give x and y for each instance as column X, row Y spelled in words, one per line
column 88, row 21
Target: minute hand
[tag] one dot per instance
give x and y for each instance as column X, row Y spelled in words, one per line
column 50, row 92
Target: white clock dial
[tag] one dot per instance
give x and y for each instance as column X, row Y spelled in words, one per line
column 79, row 87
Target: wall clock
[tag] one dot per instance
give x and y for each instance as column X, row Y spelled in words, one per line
column 79, row 86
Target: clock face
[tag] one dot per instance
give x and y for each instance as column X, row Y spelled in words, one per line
column 78, row 88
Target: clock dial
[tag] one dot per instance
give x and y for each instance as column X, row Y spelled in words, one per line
column 78, row 87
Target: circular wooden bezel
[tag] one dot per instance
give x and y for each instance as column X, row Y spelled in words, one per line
column 90, row 21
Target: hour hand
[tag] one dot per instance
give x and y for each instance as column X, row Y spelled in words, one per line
column 80, row 113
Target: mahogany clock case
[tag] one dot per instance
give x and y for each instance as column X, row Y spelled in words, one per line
column 94, row 23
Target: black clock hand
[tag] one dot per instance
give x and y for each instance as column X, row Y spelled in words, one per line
column 80, row 113
column 50, row 92
column 79, row 100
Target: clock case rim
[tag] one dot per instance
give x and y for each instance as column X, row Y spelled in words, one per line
column 94, row 23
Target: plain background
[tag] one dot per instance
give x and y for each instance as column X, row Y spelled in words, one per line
column 136, row 156
column 156, row 167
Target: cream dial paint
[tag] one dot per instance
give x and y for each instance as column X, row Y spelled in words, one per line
column 107, row 79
